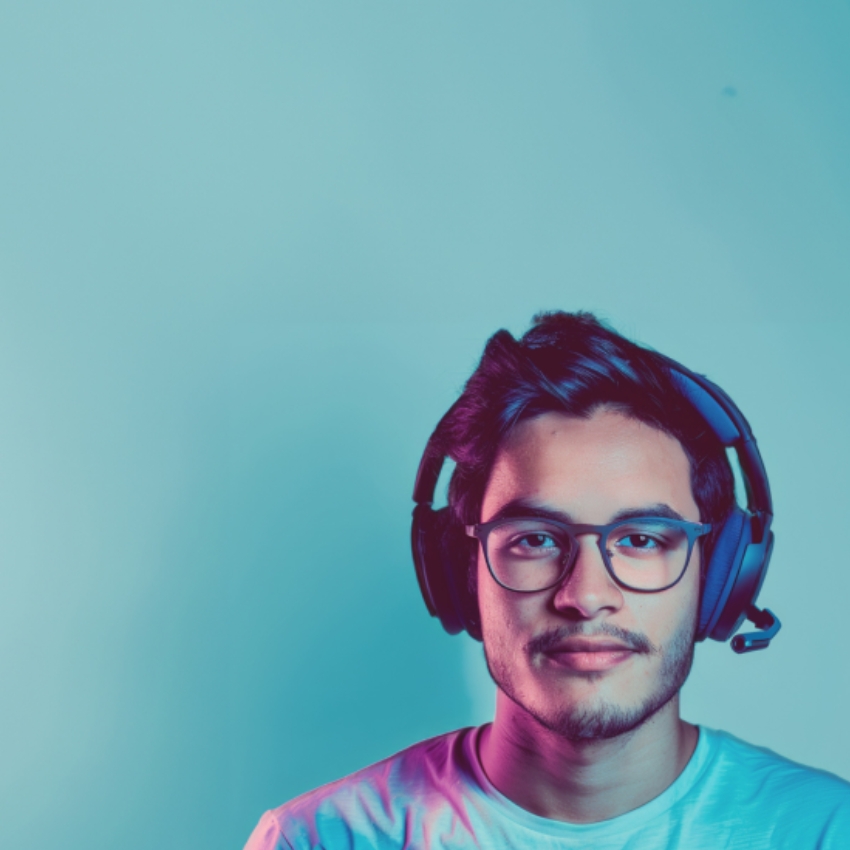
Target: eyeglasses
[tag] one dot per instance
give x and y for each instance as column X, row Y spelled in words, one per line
column 529, row 554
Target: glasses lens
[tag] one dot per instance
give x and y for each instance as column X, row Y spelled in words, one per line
column 528, row 555
column 648, row 554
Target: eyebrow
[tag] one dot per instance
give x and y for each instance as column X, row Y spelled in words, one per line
column 522, row 507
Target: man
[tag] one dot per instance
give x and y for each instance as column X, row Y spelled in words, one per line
column 591, row 537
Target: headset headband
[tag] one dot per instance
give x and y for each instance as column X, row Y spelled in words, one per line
column 718, row 411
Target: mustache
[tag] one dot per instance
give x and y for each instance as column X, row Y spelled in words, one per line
column 552, row 638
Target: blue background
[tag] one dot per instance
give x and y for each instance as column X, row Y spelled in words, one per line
column 249, row 252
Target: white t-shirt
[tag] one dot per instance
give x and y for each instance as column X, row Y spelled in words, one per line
column 435, row 795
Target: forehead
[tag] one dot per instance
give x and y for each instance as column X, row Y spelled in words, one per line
column 590, row 467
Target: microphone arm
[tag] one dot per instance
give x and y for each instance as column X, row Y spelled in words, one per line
column 768, row 625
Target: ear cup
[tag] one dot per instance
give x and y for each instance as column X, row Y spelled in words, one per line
column 722, row 569
column 442, row 554
column 744, row 588
column 458, row 559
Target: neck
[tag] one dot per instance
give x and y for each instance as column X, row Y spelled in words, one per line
column 584, row 781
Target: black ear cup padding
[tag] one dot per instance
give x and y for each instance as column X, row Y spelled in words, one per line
column 421, row 542
column 443, row 556
column 458, row 556
column 722, row 570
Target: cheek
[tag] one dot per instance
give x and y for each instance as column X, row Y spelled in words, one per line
column 671, row 612
column 692, row 580
column 490, row 604
column 503, row 614
column 509, row 620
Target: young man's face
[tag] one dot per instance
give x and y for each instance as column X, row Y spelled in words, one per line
column 588, row 658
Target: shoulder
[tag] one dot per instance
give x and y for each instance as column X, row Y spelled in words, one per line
column 756, row 767
column 369, row 808
column 757, row 788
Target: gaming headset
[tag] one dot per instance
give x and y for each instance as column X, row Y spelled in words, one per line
column 733, row 577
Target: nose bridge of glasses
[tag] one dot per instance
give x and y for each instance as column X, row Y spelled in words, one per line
column 588, row 582
column 595, row 537
column 594, row 531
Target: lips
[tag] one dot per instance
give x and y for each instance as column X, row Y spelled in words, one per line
column 589, row 655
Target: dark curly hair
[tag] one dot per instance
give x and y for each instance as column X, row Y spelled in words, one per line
column 573, row 363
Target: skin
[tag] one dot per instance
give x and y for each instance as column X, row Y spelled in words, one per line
column 587, row 722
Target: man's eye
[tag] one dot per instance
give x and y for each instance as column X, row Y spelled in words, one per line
column 537, row 541
column 640, row 541
column 534, row 544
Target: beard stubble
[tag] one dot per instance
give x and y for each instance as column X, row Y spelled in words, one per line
column 604, row 720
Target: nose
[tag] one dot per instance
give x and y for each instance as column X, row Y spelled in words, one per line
column 588, row 589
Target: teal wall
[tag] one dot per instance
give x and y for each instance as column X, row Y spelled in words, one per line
column 249, row 253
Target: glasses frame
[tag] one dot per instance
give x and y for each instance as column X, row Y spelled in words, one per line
column 693, row 530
